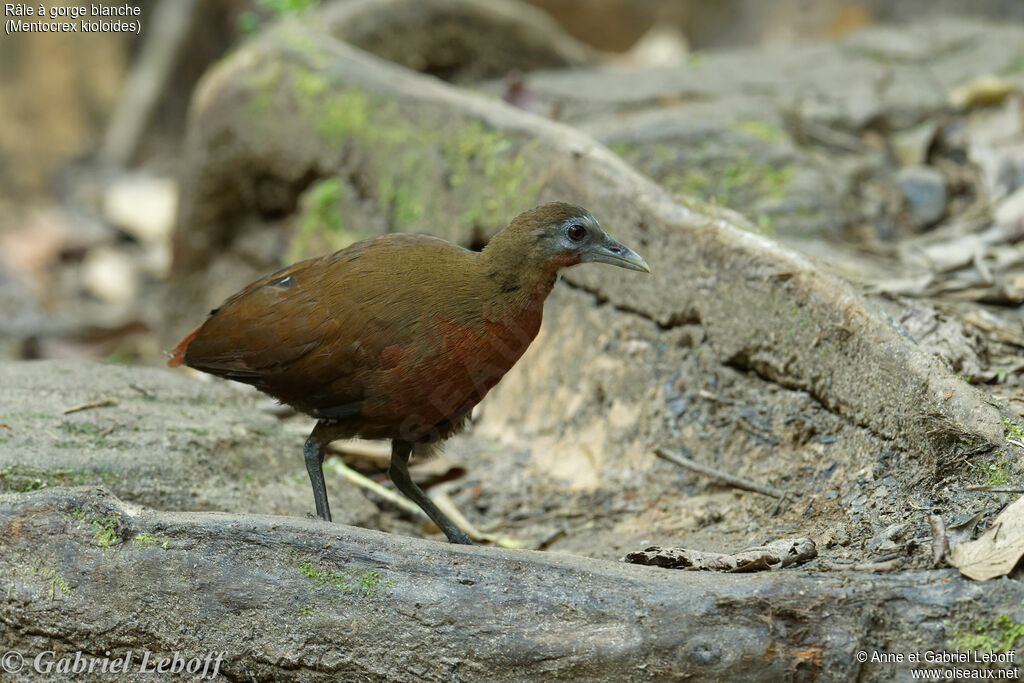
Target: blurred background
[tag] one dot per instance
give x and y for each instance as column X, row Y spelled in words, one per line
column 91, row 130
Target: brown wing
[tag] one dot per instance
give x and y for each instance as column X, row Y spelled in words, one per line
column 314, row 334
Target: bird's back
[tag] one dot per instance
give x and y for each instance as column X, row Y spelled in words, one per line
column 396, row 336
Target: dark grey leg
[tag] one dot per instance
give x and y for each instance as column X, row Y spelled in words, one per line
column 314, row 452
column 399, row 472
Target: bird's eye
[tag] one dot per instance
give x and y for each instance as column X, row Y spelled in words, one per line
column 577, row 232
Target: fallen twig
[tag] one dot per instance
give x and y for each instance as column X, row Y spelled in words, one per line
column 146, row 393
column 995, row 489
column 940, row 542
column 448, row 507
column 378, row 453
column 442, row 500
column 881, row 566
column 98, row 403
column 775, row 555
column 387, row 494
column 732, row 480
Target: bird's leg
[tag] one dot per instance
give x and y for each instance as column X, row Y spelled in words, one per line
column 399, row 473
column 314, row 450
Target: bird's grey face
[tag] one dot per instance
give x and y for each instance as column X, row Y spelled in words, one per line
column 581, row 239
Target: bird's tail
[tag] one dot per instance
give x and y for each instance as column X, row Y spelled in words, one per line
column 178, row 354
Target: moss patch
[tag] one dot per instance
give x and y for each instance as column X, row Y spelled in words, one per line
column 419, row 169
column 55, row 583
column 1000, row 634
column 992, row 473
column 22, row 478
column 1015, row 65
column 146, row 540
column 762, row 130
column 1012, row 430
column 353, row 579
column 716, row 174
column 83, row 435
column 104, row 528
column 321, row 225
column 249, row 21
column 738, row 182
column 485, row 158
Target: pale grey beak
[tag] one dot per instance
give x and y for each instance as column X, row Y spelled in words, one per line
column 611, row 252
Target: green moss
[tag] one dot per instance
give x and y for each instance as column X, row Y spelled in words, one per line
column 359, row 580
column 305, row 611
column 146, row 540
column 104, row 528
column 280, row 8
column 86, row 435
column 485, row 159
column 309, row 83
column 54, row 581
column 1015, row 66
column 121, row 357
column 263, row 82
column 992, row 474
column 762, row 130
column 250, row 21
column 321, row 224
column 1012, row 430
column 22, row 478
column 340, row 115
column 737, row 183
column 86, row 428
column 1000, row 634
column 720, row 174
column 400, row 194
column 873, row 54
column 481, row 175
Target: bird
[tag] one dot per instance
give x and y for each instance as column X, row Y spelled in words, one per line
column 398, row 336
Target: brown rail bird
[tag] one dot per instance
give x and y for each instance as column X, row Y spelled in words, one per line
column 397, row 337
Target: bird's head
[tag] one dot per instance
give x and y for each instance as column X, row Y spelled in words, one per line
column 554, row 236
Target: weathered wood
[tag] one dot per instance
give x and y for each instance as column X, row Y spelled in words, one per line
column 297, row 599
column 156, row 438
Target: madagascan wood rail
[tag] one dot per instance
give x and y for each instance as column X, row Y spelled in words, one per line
column 397, row 337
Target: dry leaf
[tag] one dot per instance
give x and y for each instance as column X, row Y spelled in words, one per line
column 983, row 91
column 996, row 551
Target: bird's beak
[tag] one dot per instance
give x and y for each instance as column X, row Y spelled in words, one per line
column 611, row 252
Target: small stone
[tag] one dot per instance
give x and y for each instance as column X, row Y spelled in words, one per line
column 886, row 546
column 910, row 147
column 678, row 406
column 896, row 532
column 110, row 275
column 1010, row 212
column 143, row 206
column 925, row 191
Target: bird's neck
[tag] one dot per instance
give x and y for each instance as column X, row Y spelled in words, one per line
column 515, row 278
